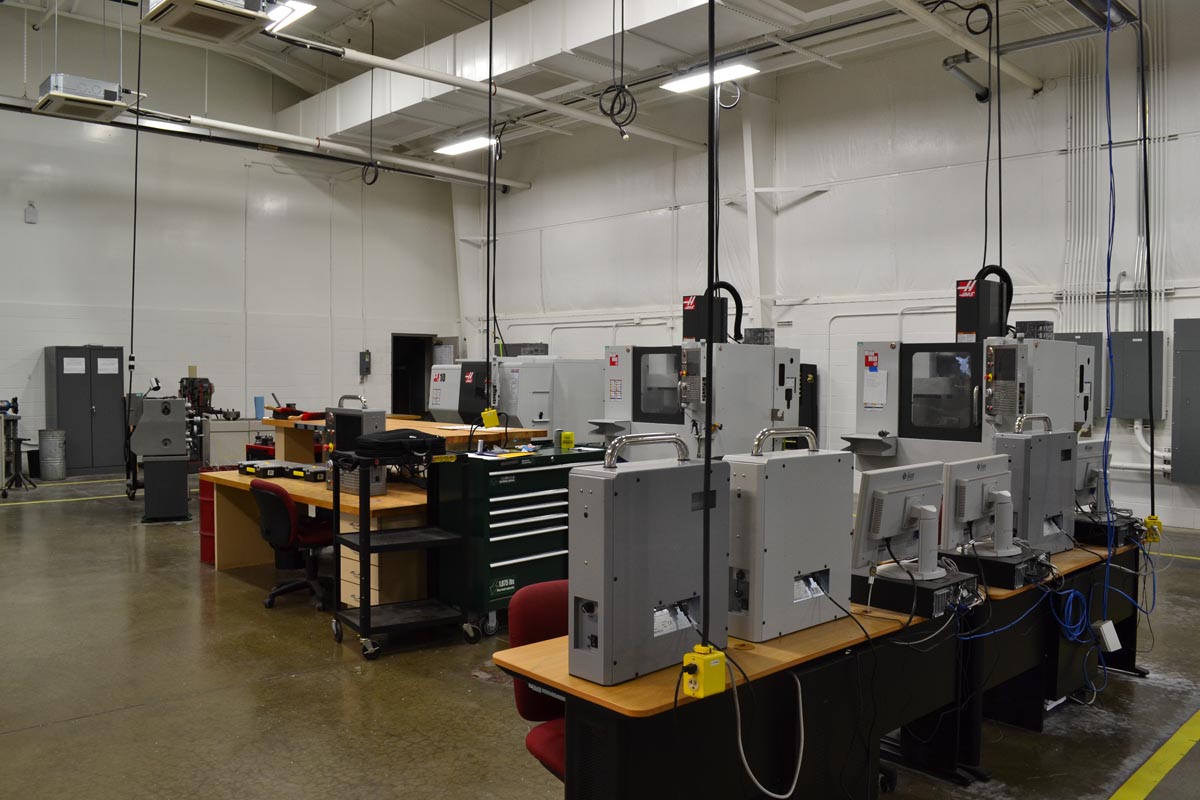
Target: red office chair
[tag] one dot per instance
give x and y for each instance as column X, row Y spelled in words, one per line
column 297, row 541
column 536, row 613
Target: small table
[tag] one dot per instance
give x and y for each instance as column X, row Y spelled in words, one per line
column 294, row 437
column 237, row 537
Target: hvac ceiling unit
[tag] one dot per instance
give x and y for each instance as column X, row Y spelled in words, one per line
column 80, row 98
column 215, row 21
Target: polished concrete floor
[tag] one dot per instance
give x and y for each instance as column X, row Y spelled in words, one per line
column 130, row 670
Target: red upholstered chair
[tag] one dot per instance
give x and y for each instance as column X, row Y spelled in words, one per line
column 296, row 540
column 536, row 613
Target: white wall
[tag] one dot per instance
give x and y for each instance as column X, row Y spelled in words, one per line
column 615, row 231
column 269, row 273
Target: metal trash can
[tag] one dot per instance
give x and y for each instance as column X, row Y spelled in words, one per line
column 52, row 454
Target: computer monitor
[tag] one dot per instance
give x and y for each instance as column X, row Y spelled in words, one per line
column 899, row 507
column 1089, row 474
column 977, row 511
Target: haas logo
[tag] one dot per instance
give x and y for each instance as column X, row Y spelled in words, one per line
column 966, row 289
column 689, row 303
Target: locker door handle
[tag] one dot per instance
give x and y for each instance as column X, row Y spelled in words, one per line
column 93, row 409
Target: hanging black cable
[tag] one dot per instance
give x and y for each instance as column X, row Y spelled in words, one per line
column 497, row 135
column 1145, row 148
column 130, row 459
column 711, row 314
column 491, row 179
column 370, row 170
column 617, row 102
column 999, row 143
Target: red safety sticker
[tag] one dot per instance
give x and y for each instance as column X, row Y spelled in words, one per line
column 614, row 360
column 871, row 359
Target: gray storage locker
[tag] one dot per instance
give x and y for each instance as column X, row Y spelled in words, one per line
column 85, row 397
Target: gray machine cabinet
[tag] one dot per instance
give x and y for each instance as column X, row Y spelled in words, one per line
column 85, row 397
column 1043, row 487
column 789, row 541
column 1100, row 371
column 1185, row 408
column 636, row 555
column 1130, row 371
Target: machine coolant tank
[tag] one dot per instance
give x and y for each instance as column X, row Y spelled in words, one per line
column 636, row 561
column 789, row 548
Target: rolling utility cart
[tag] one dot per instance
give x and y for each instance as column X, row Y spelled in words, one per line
column 512, row 515
column 368, row 620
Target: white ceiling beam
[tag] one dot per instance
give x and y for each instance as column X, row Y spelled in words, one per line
column 943, row 28
column 804, row 51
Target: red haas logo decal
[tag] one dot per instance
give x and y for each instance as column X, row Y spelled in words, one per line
column 966, row 289
column 689, row 303
column 469, row 377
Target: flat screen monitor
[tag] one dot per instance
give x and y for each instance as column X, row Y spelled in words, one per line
column 888, row 503
column 969, row 507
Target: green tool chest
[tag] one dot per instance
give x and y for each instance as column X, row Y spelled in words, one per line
column 512, row 515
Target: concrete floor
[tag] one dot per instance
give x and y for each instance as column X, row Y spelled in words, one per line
column 130, row 670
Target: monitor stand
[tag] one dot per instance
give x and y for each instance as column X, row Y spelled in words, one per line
column 1000, row 562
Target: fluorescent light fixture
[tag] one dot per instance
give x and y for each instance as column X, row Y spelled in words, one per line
column 466, row 146
column 287, row 12
column 699, row 80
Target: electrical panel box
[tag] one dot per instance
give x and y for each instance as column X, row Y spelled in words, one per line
column 364, row 363
column 636, row 566
column 1185, row 414
column 789, row 545
column 1131, row 375
column 1095, row 341
column 1043, row 487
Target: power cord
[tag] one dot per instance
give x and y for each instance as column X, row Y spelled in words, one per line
column 617, row 102
column 737, row 712
column 912, row 612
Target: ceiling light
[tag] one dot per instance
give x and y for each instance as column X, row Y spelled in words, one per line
column 286, row 13
column 466, row 146
column 699, row 80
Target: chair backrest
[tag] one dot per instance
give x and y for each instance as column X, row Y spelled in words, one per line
column 276, row 514
column 536, row 613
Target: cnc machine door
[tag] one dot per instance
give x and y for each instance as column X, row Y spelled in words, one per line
column 940, row 391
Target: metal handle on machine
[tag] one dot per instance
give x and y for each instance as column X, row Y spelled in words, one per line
column 779, row 433
column 357, row 397
column 975, row 406
column 613, row 451
column 1044, row 418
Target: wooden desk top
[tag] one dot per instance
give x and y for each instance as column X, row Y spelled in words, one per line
column 545, row 662
column 455, row 435
column 1066, row 563
column 399, row 497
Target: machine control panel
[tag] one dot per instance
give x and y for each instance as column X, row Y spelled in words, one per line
column 1002, row 389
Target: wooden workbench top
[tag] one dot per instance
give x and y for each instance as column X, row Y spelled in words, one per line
column 1066, row 563
column 399, row 496
column 455, row 435
column 546, row 662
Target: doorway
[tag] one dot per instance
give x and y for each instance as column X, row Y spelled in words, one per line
column 412, row 358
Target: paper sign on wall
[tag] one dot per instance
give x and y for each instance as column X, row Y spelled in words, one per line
column 107, row 366
column 875, row 389
column 74, row 366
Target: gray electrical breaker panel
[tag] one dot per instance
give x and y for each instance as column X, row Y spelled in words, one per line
column 1043, row 487
column 636, row 565
column 789, row 548
column 1185, row 410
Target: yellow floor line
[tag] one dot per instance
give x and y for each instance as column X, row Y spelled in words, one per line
column 51, row 484
column 1178, row 555
column 6, row 504
column 1142, row 782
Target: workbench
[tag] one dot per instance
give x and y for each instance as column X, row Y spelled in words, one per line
column 294, row 437
column 238, row 540
column 629, row 741
column 1019, row 661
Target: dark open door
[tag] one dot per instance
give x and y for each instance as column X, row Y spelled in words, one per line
column 412, row 357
